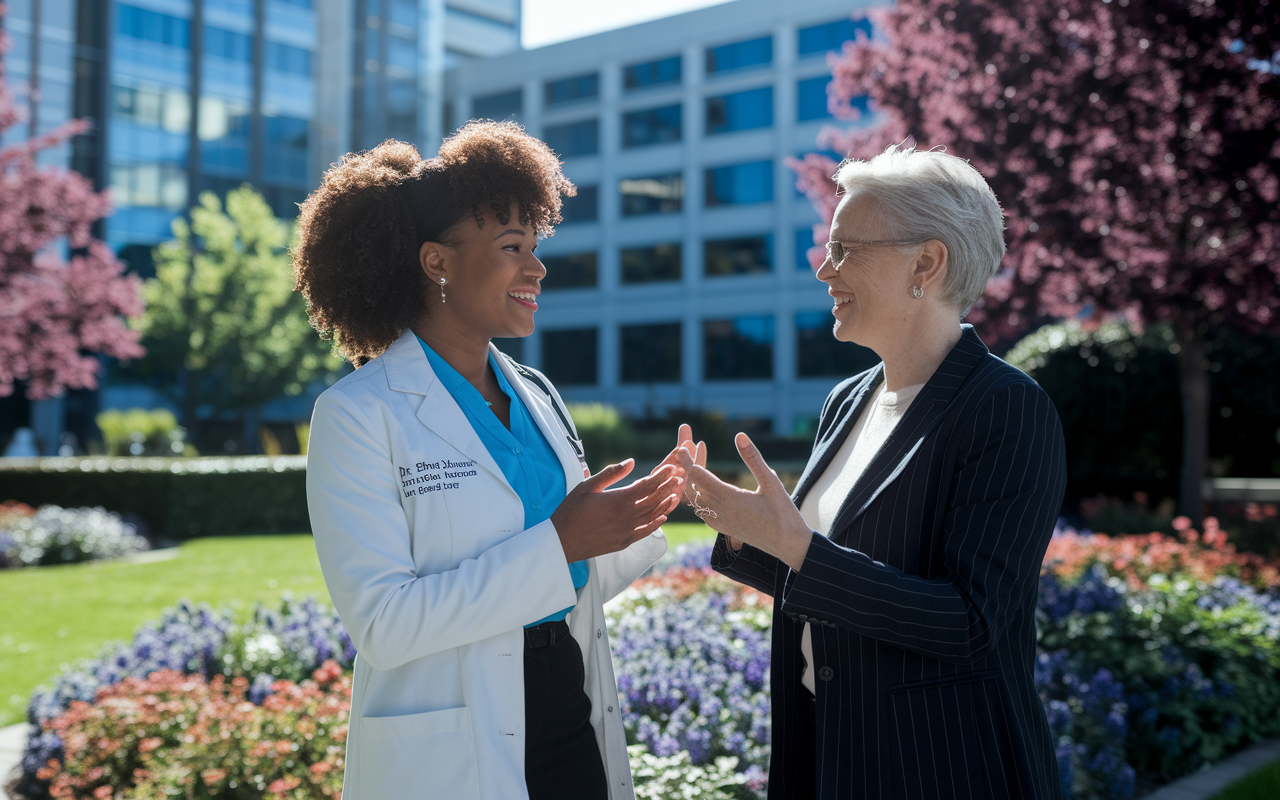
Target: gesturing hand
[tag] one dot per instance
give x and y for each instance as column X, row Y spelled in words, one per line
column 594, row 519
column 765, row 518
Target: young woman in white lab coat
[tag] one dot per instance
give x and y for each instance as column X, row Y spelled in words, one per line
column 465, row 545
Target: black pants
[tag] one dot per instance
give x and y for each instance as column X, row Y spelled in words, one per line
column 561, row 758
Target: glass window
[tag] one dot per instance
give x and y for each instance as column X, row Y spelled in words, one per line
column 820, row 355
column 811, row 99
column 582, row 207
column 513, row 347
column 737, row 349
column 569, row 356
column 567, row 90
column 651, row 73
column 650, row 353
column 657, row 194
column 228, row 44
column 571, row 271
column 747, row 255
column 143, row 23
column 804, row 241
column 740, row 111
column 659, row 262
column 573, row 139
column 154, row 106
column 739, row 184
column 651, row 126
column 739, row 55
column 830, row 35
column 499, row 106
column 286, row 151
column 286, row 58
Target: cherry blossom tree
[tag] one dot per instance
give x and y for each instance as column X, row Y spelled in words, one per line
column 56, row 311
column 1134, row 145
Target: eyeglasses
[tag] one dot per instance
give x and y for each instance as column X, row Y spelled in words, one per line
column 837, row 252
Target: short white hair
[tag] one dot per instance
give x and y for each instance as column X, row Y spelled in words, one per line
column 928, row 194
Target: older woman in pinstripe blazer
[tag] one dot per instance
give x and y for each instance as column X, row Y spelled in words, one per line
column 904, row 568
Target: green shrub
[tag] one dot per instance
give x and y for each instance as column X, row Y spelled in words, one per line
column 176, row 498
column 1118, row 395
column 140, row 431
column 607, row 435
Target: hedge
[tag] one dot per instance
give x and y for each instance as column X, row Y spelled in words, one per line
column 176, row 498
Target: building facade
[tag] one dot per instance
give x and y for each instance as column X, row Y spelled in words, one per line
column 188, row 96
column 678, row 278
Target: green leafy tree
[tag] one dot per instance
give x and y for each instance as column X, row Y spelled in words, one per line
column 223, row 326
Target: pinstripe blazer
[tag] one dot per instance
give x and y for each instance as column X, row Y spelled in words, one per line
column 922, row 602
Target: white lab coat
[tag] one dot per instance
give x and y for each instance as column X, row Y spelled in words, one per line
column 425, row 553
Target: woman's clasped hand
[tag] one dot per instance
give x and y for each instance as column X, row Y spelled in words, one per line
column 595, row 519
column 765, row 518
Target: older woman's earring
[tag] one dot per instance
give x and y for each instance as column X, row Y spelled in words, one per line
column 916, row 292
column 442, row 282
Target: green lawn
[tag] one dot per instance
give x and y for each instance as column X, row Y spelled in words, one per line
column 1261, row 785
column 679, row 533
column 55, row 615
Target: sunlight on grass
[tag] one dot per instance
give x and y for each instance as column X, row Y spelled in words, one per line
column 1261, row 785
column 679, row 533
column 55, row 615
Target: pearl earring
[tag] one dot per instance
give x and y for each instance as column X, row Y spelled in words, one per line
column 442, row 282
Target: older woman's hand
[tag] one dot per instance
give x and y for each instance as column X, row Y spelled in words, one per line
column 765, row 518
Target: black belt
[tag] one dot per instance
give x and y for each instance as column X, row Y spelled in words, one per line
column 546, row 634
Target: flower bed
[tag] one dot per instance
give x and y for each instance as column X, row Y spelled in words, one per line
column 273, row 652
column 53, row 535
column 1157, row 654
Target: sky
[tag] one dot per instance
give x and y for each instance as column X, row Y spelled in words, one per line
column 550, row 21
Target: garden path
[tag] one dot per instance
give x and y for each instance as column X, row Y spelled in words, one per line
column 12, row 740
column 1205, row 784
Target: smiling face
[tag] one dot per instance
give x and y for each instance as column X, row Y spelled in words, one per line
column 491, row 274
column 872, row 289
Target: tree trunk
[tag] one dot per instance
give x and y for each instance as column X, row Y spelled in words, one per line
column 1193, row 376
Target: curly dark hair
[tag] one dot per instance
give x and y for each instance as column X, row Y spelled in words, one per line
column 356, row 260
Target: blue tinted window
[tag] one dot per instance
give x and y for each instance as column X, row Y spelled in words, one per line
column 804, row 241
column 650, row 353
column 569, row 356
column 655, row 194
column 501, row 105
column 740, row 111
column 286, row 58
column 651, row 126
column 228, row 44
column 143, row 23
column 566, row 90
column 739, row 55
column 651, row 264
column 286, row 150
column 740, row 184
column 573, row 139
column 830, row 36
column 583, row 206
column 570, row 271
column 651, row 73
column 738, row 349
column 820, row 355
column 811, row 100
column 745, row 255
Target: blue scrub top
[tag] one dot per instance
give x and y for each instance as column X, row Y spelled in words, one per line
column 523, row 454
